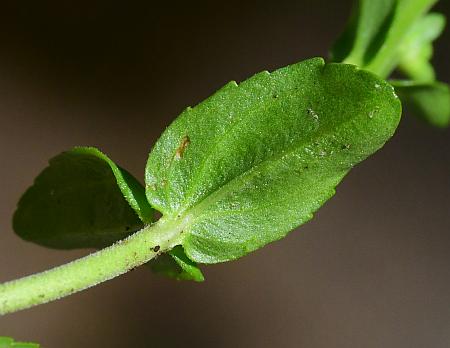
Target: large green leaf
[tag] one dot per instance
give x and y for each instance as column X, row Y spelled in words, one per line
column 78, row 202
column 255, row 160
column 429, row 101
column 6, row 342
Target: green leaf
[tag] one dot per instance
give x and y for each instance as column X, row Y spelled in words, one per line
column 84, row 200
column 177, row 265
column 254, row 161
column 377, row 32
column 6, row 342
column 78, row 202
column 417, row 50
column 429, row 101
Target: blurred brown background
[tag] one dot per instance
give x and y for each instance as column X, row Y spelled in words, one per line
column 371, row 270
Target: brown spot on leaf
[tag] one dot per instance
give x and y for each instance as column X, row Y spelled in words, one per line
column 156, row 248
column 183, row 145
column 152, row 187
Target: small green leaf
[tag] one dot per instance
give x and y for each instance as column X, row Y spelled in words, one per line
column 177, row 265
column 254, row 161
column 84, row 200
column 417, row 50
column 429, row 101
column 6, row 342
column 78, row 202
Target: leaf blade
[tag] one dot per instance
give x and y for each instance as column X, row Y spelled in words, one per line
column 80, row 200
column 39, row 214
column 130, row 187
column 228, row 140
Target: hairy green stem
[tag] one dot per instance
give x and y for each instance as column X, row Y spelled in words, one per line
column 93, row 269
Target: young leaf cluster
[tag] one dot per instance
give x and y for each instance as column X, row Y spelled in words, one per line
column 387, row 35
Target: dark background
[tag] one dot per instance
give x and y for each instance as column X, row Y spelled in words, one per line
column 371, row 270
